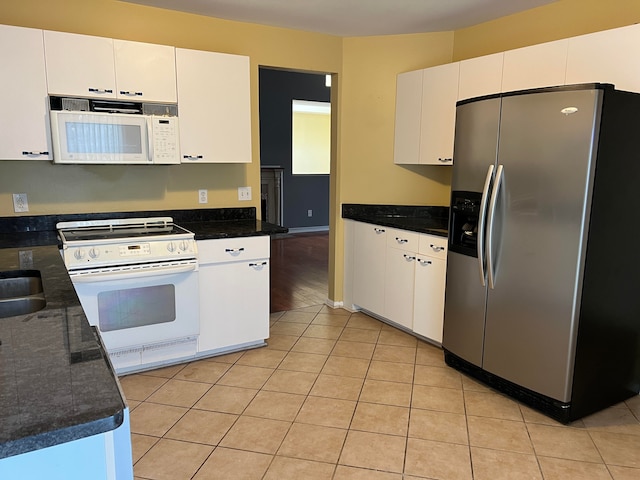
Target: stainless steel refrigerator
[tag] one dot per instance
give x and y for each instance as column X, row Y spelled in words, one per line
column 543, row 273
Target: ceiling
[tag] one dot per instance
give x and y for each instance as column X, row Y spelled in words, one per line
column 352, row 18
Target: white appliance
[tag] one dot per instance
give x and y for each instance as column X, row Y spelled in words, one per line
column 137, row 280
column 87, row 131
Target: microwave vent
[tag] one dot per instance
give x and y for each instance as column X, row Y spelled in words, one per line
column 160, row 109
column 76, row 104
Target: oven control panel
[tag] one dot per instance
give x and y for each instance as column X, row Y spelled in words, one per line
column 84, row 256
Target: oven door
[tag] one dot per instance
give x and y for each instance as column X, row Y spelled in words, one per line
column 141, row 305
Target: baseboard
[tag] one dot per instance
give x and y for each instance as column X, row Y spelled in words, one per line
column 331, row 304
column 322, row 228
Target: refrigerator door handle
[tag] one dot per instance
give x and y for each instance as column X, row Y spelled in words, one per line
column 492, row 210
column 481, row 223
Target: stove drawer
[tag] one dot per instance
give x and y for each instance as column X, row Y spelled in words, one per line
column 233, row 249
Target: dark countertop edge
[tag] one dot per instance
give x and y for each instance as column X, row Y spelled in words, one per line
column 432, row 220
column 110, row 421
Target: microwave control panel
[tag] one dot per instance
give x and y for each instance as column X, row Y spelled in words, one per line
column 165, row 138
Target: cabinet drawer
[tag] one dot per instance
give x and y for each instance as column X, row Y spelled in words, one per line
column 402, row 239
column 233, row 249
column 433, row 246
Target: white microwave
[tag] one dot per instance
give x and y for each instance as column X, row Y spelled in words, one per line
column 86, row 137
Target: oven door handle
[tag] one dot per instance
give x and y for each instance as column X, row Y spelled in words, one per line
column 129, row 274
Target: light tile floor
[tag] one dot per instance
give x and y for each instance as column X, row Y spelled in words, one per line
column 343, row 396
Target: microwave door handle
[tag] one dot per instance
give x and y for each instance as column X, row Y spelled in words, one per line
column 127, row 275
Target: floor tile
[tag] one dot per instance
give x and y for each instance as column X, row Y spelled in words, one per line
column 437, row 376
column 391, row 371
column 140, row 387
column 345, row 388
column 371, row 417
column 438, row 426
column 281, row 342
column 328, row 412
column 352, row 473
column 346, row 367
column 247, row 377
column 563, row 442
column 262, row 357
column 393, row 336
column 362, row 321
column 290, row 382
column 313, row 442
column 373, row 450
column 500, row 465
column 359, row 335
column 202, row 426
column 613, row 420
column 298, row 317
column 331, row 320
column 618, row 449
column 275, row 405
column 292, row 468
column 155, row 420
column 303, row 362
column 321, row 346
column 429, row 355
column 624, row 473
column 323, row 331
column 490, row 404
column 426, row 458
column 288, row 328
column 225, row 464
column 437, row 398
column 179, row 393
column 387, row 393
column 172, row 460
column 253, row 434
column 166, row 372
column 203, row 371
column 561, row 469
column 327, row 310
column 394, row 353
column 225, row 399
column 227, row 358
column 353, row 349
column 141, row 444
column 499, row 434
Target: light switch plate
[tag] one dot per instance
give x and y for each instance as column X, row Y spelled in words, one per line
column 20, row 203
column 244, row 193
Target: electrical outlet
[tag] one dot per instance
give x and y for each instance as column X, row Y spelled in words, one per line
column 244, row 193
column 20, row 203
column 203, row 196
column 309, row 213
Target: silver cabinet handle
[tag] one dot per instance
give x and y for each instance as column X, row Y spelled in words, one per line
column 436, row 248
column 408, row 257
column 401, row 240
column 492, row 211
column 260, row 264
column 100, row 90
column 234, row 250
column 424, row 262
column 481, row 222
column 445, row 160
column 130, row 94
column 34, row 153
column 378, row 230
column 192, row 157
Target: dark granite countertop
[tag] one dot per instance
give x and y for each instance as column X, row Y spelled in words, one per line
column 56, row 382
column 433, row 220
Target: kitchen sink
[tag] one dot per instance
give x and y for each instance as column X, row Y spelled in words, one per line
column 21, row 292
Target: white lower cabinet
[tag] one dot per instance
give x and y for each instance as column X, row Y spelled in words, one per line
column 397, row 275
column 234, row 292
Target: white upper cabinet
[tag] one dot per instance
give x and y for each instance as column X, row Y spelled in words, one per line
column 79, row 65
column 406, row 147
column 88, row 66
column 542, row 65
column 24, row 122
column 145, row 71
column 480, row 76
column 610, row 56
column 214, row 101
column 438, row 120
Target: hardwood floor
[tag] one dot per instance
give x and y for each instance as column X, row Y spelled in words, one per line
column 299, row 270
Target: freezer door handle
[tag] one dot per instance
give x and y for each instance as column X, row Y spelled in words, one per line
column 492, row 211
column 481, row 223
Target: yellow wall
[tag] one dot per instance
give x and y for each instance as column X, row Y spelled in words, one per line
column 363, row 99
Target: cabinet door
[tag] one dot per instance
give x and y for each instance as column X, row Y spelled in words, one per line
column 234, row 304
column 145, row 72
column 480, row 76
column 428, row 307
column 215, row 107
column 609, row 57
column 542, row 65
column 438, row 118
column 369, row 267
column 406, row 147
column 398, row 289
column 80, row 65
column 24, row 128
